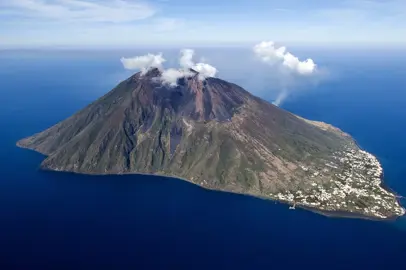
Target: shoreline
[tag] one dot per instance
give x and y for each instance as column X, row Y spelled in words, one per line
column 382, row 184
column 342, row 214
column 326, row 213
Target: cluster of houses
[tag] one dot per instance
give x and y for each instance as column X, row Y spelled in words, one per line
column 353, row 185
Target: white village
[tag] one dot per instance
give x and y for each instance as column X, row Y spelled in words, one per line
column 356, row 189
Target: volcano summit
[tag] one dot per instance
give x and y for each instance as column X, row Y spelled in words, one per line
column 217, row 135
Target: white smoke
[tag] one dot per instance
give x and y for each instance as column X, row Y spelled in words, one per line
column 281, row 97
column 269, row 53
column 144, row 62
column 186, row 58
column 170, row 76
column 205, row 70
column 288, row 65
column 302, row 67
column 186, row 62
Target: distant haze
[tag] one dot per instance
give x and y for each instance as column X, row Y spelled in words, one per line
column 130, row 23
column 237, row 65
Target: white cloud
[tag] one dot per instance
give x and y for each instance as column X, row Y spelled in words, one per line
column 186, row 62
column 269, row 53
column 170, row 76
column 186, row 57
column 289, row 69
column 205, row 70
column 302, row 67
column 143, row 62
column 115, row 22
column 80, row 10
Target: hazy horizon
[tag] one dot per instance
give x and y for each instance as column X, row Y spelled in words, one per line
column 237, row 65
column 125, row 23
column 232, row 45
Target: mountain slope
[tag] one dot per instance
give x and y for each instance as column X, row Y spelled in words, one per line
column 216, row 134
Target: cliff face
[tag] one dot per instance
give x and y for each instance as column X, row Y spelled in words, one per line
column 211, row 132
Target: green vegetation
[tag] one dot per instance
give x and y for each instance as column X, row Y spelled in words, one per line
column 223, row 138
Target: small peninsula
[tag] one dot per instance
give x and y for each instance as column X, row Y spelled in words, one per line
column 215, row 134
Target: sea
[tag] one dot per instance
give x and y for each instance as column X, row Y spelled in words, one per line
column 53, row 220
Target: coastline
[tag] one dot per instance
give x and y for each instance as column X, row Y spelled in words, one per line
column 330, row 214
column 382, row 184
column 343, row 214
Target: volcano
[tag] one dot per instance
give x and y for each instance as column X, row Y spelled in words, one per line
column 215, row 134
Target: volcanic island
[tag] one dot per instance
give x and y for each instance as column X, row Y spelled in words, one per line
column 215, row 134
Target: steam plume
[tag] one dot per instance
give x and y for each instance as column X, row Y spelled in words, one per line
column 144, row 62
column 170, row 76
column 288, row 65
column 270, row 54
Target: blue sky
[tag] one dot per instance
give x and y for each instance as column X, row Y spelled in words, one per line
column 128, row 23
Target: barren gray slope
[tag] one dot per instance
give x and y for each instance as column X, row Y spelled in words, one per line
column 215, row 134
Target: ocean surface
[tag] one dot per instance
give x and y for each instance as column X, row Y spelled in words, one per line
column 51, row 220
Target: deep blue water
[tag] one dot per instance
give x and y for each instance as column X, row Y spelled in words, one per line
column 63, row 221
